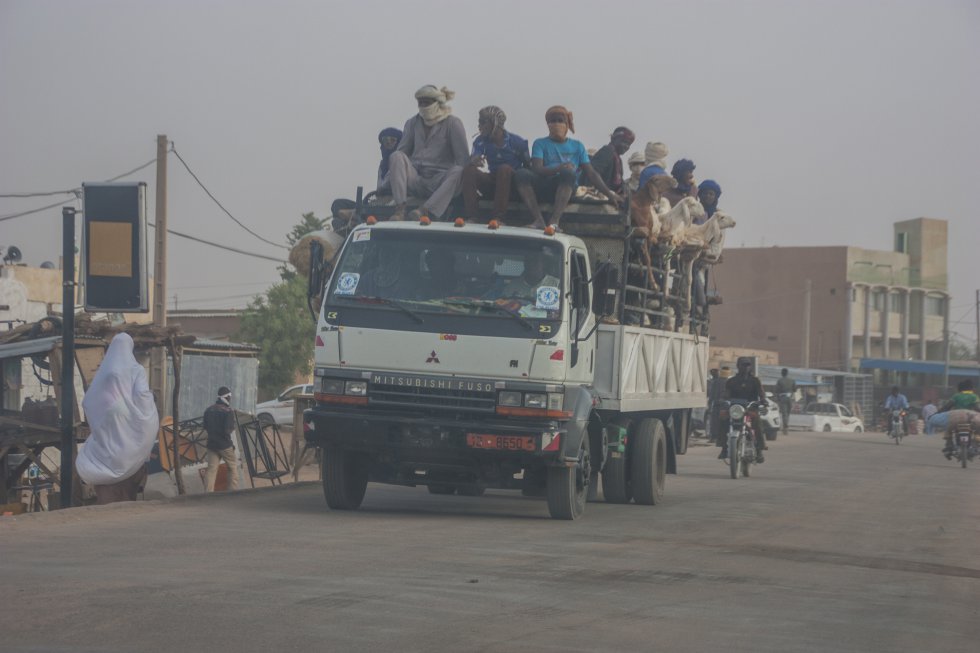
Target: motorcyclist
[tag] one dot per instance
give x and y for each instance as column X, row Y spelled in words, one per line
column 743, row 388
column 897, row 401
column 965, row 399
column 785, row 387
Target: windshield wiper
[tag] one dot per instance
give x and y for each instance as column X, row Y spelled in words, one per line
column 383, row 300
column 483, row 303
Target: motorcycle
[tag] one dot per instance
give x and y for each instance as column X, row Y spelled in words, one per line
column 896, row 429
column 966, row 444
column 744, row 442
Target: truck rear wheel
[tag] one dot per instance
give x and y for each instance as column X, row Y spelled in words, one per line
column 615, row 486
column 569, row 486
column 648, row 463
column 345, row 478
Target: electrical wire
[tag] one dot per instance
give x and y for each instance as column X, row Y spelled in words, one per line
column 48, row 194
column 11, row 216
column 220, row 246
column 173, row 149
column 74, row 191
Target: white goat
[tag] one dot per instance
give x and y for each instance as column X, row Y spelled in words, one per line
column 676, row 221
column 709, row 235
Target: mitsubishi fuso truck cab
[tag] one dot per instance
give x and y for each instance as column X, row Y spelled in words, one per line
column 469, row 356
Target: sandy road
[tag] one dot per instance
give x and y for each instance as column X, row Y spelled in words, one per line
column 839, row 542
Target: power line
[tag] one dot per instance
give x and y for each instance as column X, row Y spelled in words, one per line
column 220, row 246
column 173, row 149
column 74, row 191
column 11, row 216
column 48, row 194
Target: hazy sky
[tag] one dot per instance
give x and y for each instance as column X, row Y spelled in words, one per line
column 824, row 122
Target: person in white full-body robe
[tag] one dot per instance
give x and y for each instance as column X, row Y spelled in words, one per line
column 123, row 419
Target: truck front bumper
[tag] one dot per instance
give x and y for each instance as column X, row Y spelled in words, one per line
column 399, row 438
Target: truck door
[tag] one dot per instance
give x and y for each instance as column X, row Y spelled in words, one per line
column 581, row 319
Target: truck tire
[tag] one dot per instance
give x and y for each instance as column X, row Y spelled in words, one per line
column 345, row 478
column 615, row 485
column 648, row 461
column 438, row 488
column 471, row 490
column 681, row 430
column 568, row 487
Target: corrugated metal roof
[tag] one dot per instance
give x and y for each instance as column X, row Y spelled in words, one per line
column 28, row 347
column 223, row 345
column 924, row 367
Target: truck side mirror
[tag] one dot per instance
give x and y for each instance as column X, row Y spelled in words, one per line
column 315, row 278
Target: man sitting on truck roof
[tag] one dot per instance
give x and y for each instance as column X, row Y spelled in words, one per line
column 709, row 192
column 555, row 164
column 608, row 161
column 683, row 172
column 429, row 160
column 389, row 139
column 502, row 152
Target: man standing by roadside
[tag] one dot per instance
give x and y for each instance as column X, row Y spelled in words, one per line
column 785, row 388
column 220, row 423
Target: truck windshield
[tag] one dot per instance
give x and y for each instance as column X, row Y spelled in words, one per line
column 450, row 273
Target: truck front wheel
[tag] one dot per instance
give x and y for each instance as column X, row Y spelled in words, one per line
column 345, row 478
column 568, row 486
column 648, row 462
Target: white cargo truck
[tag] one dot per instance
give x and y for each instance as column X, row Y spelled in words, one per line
column 465, row 356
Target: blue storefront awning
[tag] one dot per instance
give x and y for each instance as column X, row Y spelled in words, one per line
column 920, row 367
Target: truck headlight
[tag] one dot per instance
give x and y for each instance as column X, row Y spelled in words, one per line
column 332, row 386
column 556, row 400
column 536, row 400
column 509, row 398
column 357, row 388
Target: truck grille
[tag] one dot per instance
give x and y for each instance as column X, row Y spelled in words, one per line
column 432, row 398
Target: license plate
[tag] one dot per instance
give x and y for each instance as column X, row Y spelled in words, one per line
column 500, row 442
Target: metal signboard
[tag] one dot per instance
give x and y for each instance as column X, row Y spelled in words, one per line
column 114, row 265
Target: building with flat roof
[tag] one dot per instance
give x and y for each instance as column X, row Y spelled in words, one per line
column 885, row 312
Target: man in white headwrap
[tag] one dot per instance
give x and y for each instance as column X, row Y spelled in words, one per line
column 431, row 156
column 122, row 416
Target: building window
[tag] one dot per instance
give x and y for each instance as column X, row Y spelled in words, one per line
column 878, row 300
column 902, row 242
column 934, row 305
column 896, row 303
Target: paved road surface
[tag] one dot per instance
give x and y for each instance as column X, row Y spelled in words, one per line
column 839, row 542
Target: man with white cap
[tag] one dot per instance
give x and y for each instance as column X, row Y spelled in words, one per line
column 636, row 163
column 431, row 156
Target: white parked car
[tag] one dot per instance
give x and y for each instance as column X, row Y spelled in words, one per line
column 280, row 409
column 826, row 417
column 772, row 422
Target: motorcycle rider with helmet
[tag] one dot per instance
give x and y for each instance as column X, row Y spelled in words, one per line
column 744, row 387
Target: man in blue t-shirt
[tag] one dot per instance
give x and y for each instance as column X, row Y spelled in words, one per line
column 556, row 162
column 503, row 153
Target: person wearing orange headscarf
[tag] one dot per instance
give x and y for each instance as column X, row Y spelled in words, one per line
column 556, row 164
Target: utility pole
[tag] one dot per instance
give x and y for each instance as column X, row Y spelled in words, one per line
column 158, row 357
column 67, row 483
column 806, row 323
column 978, row 327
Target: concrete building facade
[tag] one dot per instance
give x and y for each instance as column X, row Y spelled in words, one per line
column 864, row 305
